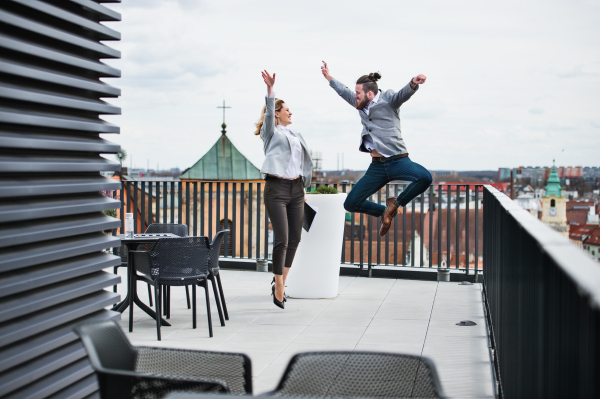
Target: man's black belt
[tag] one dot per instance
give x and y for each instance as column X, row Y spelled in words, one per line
column 384, row 159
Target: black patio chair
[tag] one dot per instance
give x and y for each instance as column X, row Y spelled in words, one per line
column 359, row 374
column 180, row 230
column 214, row 276
column 126, row 371
column 174, row 262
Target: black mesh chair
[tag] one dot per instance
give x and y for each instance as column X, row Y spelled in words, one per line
column 180, row 230
column 126, row 371
column 359, row 374
column 174, row 262
column 215, row 277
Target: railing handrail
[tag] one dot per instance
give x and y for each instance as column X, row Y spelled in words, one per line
column 575, row 263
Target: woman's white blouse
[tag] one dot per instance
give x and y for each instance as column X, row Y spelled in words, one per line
column 294, row 168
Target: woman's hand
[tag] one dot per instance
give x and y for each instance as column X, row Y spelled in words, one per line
column 269, row 81
column 325, row 71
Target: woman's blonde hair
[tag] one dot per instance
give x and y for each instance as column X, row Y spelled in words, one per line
column 278, row 104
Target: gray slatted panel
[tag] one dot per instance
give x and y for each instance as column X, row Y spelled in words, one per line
column 51, row 220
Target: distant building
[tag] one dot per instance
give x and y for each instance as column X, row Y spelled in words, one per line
column 554, row 205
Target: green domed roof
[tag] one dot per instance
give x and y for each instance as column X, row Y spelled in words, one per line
column 553, row 185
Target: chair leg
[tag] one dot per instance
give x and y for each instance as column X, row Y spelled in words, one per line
column 168, row 301
column 115, row 272
column 187, row 296
column 204, row 284
column 164, row 299
column 157, row 300
column 149, row 295
column 194, row 304
column 217, row 299
column 222, row 296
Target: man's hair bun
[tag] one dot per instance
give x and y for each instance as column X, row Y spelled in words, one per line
column 374, row 76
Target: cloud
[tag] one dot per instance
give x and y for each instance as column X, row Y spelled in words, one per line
column 536, row 111
column 575, row 72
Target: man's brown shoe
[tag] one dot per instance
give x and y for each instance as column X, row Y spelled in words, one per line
column 388, row 215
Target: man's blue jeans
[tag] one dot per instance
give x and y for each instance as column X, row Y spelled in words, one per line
column 381, row 173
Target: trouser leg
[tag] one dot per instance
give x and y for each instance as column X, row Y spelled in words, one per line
column 275, row 202
column 370, row 183
column 295, row 214
column 405, row 169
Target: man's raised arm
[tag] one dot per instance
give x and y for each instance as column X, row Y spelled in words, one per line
column 340, row 89
column 407, row 91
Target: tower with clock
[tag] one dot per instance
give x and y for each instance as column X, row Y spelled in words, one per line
column 554, row 204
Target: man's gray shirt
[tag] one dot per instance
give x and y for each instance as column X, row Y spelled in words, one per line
column 383, row 122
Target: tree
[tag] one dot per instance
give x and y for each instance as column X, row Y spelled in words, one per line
column 121, row 156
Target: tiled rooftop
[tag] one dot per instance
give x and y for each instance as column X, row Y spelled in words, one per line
column 372, row 314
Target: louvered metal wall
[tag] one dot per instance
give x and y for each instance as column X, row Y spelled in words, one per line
column 51, row 220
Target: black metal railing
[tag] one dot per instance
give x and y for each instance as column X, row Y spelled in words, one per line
column 542, row 299
column 440, row 227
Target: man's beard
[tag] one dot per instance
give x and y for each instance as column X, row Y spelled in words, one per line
column 362, row 104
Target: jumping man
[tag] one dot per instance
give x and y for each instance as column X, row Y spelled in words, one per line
column 381, row 137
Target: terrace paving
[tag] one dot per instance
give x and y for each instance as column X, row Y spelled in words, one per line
column 369, row 314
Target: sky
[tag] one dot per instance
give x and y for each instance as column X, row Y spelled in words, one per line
column 509, row 83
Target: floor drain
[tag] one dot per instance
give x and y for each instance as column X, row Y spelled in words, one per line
column 466, row 323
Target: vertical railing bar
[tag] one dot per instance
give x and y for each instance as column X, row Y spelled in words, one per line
column 266, row 235
column 157, row 205
column 258, row 195
column 387, row 236
column 218, row 210
column 179, row 202
column 413, row 227
column 143, row 208
column 352, row 221
column 404, row 231
column 476, row 230
column 234, row 220
column 210, row 208
column 165, row 199
column 202, row 213
column 431, row 206
column 195, row 231
column 172, row 209
column 378, row 236
column 250, row 220
column 467, row 230
column 448, row 226
column 344, row 234
column 396, row 229
column 135, row 207
column 150, row 201
column 370, row 247
column 362, row 240
column 188, row 208
column 226, row 217
column 439, row 216
column 422, row 230
column 123, row 190
column 456, row 249
column 242, row 208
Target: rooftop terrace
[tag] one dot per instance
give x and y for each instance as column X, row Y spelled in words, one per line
column 369, row 314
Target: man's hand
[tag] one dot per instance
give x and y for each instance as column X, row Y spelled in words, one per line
column 269, row 81
column 325, row 70
column 419, row 79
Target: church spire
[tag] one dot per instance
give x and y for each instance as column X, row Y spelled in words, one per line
column 553, row 185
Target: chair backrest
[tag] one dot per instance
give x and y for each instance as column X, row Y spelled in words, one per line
column 106, row 345
column 359, row 374
column 180, row 258
column 215, row 248
column 180, row 230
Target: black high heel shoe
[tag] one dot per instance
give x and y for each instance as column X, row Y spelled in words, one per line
column 284, row 295
column 275, row 301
